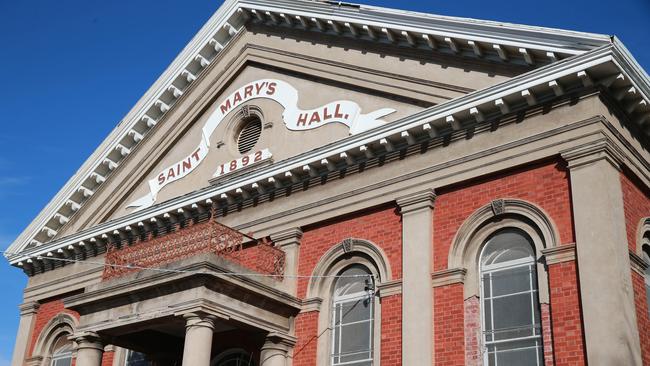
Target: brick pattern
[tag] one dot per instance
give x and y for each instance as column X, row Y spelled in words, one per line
column 107, row 358
column 306, row 325
column 568, row 345
column 46, row 312
column 545, row 184
column 636, row 206
column 472, row 322
column 192, row 239
column 391, row 330
column 380, row 225
column 643, row 320
column 449, row 325
column 547, row 334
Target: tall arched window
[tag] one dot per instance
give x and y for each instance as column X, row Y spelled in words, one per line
column 512, row 333
column 353, row 318
column 62, row 352
column 646, row 258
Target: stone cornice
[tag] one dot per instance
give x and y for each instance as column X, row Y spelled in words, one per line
column 287, row 237
column 417, row 201
column 311, row 304
column 448, row 277
column 560, row 254
column 605, row 149
column 638, row 264
column 390, row 288
column 29, row 308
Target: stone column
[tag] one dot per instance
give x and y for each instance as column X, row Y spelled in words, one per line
column 28, row 312
column 198, row 339
column 417, row 265
column 275, row 350
column 89, row 349
column 289, row 242
column 606, row 294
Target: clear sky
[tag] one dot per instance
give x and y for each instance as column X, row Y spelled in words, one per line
column 73, row 69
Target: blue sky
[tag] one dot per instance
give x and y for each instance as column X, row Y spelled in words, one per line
column 73, row 69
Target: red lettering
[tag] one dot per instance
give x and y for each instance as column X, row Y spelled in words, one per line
column 170, row 173
column 258, row 87
column 161, row 178
column 325, row 115
column 338, row 114
column 225, row 107
column 245, row 160
column 258, row 156
column 302, row 119
column 195, row 155
column 248, row 91
column 233, row 165
column 315, row 118
column 187, row 164
column 236, row 99
column 271, row 88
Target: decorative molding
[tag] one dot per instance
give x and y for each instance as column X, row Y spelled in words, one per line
column 560, row 254
column 87, row 339
column 389, row 288
column 638, row 264
column 605, row 149
column 29, row 308
column 287, row 237
column 311, row 304
column 448, row 277
column 498, row 206
column 417, row 201
column 347, row 245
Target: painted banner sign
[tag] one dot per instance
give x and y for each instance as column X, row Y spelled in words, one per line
column 341, row 111
column 242, row 162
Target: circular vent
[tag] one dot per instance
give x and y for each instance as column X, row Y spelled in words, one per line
column 249, row 135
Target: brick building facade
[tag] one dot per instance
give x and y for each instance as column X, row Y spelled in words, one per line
column 322, row 184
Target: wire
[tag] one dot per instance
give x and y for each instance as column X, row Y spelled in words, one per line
column 167, row 270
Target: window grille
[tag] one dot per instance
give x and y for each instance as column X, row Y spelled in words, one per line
column 62, row 356
column 646, row 258
column 353, row 319
column 512, row 332
column 249, row 135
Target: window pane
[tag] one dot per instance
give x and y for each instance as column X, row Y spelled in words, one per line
column 356, row 310
column 520, row 353
column 355, row 338
column 511, row 281
column 486, row 285
column 513, row 316
column 507, row 245
column 353, row 281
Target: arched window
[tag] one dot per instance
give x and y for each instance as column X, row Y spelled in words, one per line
column 233, row 357
column 353, row 318
column 646, row 258
column 512, row 333
column 62, row 352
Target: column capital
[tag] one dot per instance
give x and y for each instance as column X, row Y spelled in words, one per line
column 559, row 254
column 279, row 341
column 416, row 201
column 29, row 308
column 87, row 340
column 287, row 237
column 448, row 277
column 602, row 149
column 199, row 320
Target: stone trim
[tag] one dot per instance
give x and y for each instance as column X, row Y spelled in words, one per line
column 311, row 304
column 87, row 339
column 389, row 288
column 416, row 201
column 287, row 237
column 603, row 149
column 637, row 263
column 29, row 308
column 560, row 254
column 448, row 277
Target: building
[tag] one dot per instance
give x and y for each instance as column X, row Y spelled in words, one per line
column 318, row 183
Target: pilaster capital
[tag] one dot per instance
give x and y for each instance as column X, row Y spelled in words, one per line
column 448, row 277
column 199, row 320
column 602, row 149
column 389, row 288
column 29, row 308
column 638, row 264
column 287, row 237
column 311, row 304
column 559, row 254
column 87, row 339
column 417, row 201
column 278, row 342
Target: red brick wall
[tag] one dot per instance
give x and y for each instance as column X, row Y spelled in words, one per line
column 304, row 353
column 46, row 312
column 472, row 323
column 636, row 205
column 391, row 330
column 449, row 325
column 568, row 346
column 107, row 358
column 544, row 184
column 380, row 225
column 547, row 334
column 643, row 321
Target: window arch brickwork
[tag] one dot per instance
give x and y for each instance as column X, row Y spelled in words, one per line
column 46, row 313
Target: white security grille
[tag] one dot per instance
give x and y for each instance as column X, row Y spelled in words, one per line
column 249, row 135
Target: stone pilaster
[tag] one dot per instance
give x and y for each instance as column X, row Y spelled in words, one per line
column 28, row 312
column 417, row 292
column 198, row 339
column 289, row 242
column 90, row 349
column 606, row 293
column 276, row 349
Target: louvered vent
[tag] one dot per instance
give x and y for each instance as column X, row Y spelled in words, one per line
column 249, row 135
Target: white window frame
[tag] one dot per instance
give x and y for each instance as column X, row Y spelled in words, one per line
column 340, row 300
column 60, row 356
column 494, row 268
column 646, row 277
